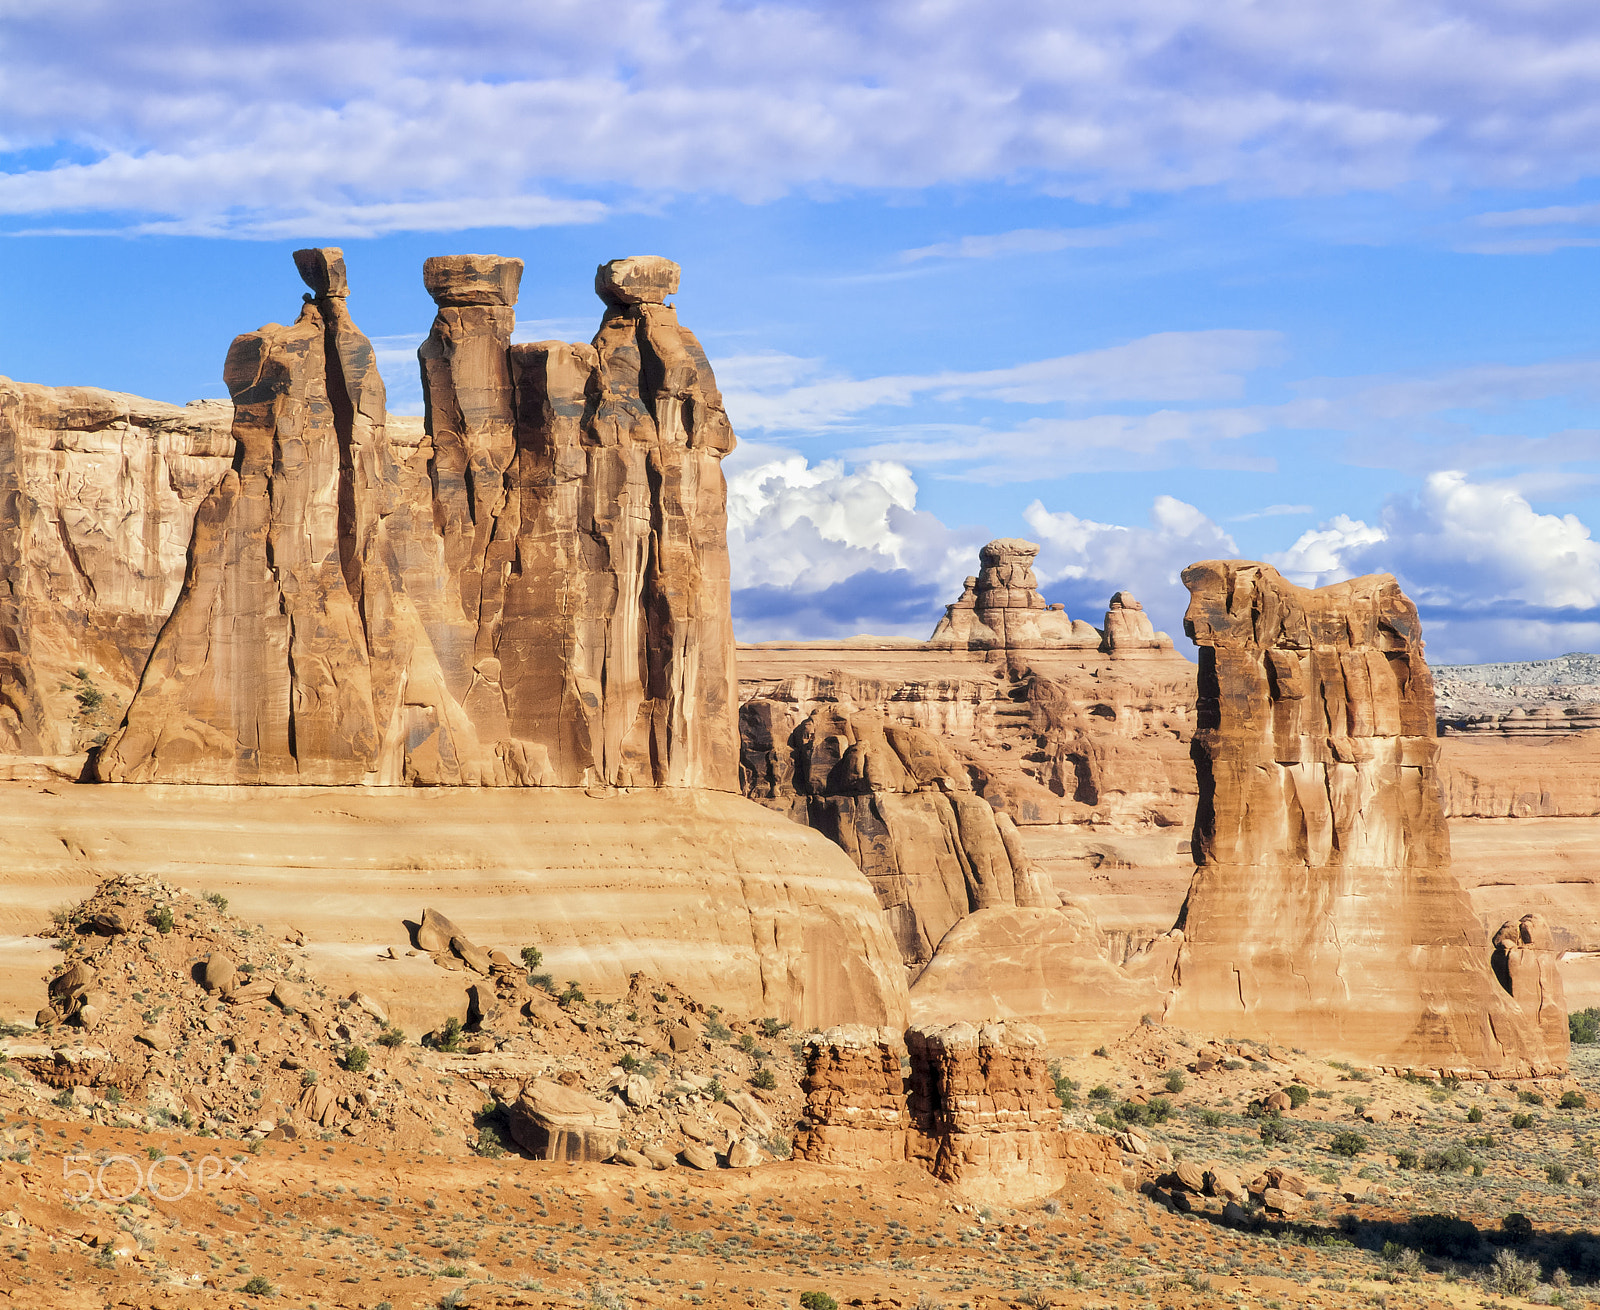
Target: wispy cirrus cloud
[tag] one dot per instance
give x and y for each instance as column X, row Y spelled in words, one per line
column 1029, row 241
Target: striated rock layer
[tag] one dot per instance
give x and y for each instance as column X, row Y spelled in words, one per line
column 731, row 902
column 1323, row 909
column 856, row 1112
column 534, row 595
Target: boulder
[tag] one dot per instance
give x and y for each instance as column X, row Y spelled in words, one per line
column 107, row 923
column 744, row 1154
column 640, row 280
column 474, row 957
column 371, row 1006
column 633, row 1159
column 1282, row 1202
column 698, row 1156
column 219, row 973
column 461, row 280
column 552, row 1122
column 660, row 1156
column 1189, row 1175
column 436, row 932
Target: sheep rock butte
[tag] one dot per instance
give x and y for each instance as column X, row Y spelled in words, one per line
column 1001, row 608
column 1323, row 908
column 533, row 591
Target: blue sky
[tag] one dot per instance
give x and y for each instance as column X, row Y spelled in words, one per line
column 1146, row 281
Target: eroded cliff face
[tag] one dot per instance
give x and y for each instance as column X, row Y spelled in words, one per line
column 941, row 767
column 1323, row 908
column 536, row 594
column 100, row 491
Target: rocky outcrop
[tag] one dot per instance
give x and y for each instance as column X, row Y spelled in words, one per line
column 1525, row 959
column 1001, row 609
column 1323, row 908
column 100, row 492
column 856, row 1113
column 984, row 1106
column 900, row 805
column 536, row 594
column 978, row 1109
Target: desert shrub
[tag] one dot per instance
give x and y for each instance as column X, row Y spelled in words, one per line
column 257, row 1286
column 817, row 1301
column 1454, row 1159
column 771, row 1027
column 1583, row 1026
column 545, row 982
column 161, row 919
column 1298, row 1095
column 715, row 1090
column 1572, row 1100
column 1521, row 1121
column 1405, row 1158
column 392, row 1038
column 1511, row 1275
column 1065, row 1087
column 1558, row 1174
column 1517, row 1227
column 1102, row 1052
column 449, row 1037
column 89, row 697
column 1274, row 1132
column 1211, row 1118
column 764, row 1080
column 1402, row 1259
column 356, row 1058
column 217, row 899
column 1157, row 1111
column 532, row 958
column 573, row 995
column 1348, row 1144
column 1530, row 1097
column 1475, row 1115
column 716, row 1030
column 1101, row 1092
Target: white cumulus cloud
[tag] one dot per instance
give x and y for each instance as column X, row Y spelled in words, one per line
column 1082, row 562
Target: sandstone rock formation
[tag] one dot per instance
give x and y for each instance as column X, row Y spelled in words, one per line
column 856, row 1112
column 1001, row 609
column 985, row 1110
column 1525, row 963
column 537, row 594
column 1129, row 634
column 100, row 491
column 978, row 1109
column 1323, row 908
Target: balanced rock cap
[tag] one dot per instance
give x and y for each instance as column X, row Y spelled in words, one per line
column 472, row 279
column 638, row 280
column 322, row 269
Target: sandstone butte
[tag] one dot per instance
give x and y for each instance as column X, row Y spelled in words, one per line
column 529, row 592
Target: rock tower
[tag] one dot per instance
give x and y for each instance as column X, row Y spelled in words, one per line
column 1323, row 910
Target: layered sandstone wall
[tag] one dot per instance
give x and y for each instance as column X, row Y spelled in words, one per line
column 100, row 493
column 1323, row 909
